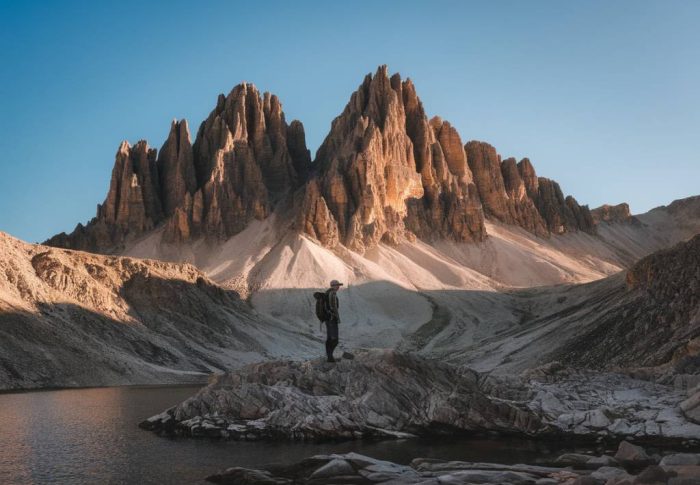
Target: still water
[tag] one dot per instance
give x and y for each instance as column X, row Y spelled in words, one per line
column 91, row 436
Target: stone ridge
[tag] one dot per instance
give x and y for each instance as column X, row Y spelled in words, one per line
column 245, row 158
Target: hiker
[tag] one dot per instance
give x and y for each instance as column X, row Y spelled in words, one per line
column 327, row 312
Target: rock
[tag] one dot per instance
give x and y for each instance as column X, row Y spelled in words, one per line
column 606, row 473
column 573, row 459
column 683, row 474
column 629, row 454
column 619, row 214
column 691, row 408
column 654, row 474
column 333, row 468
column 382, row 393
column 600, row 461
column 681, row 459
column 244, row 476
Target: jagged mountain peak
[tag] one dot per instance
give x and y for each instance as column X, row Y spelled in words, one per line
column 384, row 172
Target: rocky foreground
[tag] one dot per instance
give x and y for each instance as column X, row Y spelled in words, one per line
column 385, row 393
column 631, row 465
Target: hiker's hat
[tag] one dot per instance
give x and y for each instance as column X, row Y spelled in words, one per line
column 336, row 283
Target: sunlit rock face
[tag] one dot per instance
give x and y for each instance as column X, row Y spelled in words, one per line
column 385, row 171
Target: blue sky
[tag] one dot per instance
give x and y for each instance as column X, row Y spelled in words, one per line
column 604, row 97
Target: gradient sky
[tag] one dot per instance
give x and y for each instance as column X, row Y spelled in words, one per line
column 603, row 96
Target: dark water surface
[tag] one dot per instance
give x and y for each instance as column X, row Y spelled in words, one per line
column 91, row 436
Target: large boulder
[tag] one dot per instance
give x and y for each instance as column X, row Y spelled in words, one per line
column 379, row 393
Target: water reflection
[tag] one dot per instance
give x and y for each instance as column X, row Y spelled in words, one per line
column 91, row 436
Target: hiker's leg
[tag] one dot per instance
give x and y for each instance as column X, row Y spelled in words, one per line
column 329, row 351
column 332, row 340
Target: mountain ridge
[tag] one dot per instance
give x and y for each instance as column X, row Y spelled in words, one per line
column 384, row 172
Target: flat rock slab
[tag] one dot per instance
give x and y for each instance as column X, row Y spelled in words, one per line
column 353, row 468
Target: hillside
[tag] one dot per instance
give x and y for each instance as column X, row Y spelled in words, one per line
column 69, row 318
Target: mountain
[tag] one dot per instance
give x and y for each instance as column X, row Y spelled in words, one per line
column 421, row 227
column 445, row 249
column 384, row 173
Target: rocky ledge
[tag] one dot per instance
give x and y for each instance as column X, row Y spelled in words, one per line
column 631, row 465
column 388, row 394
column 379, row 393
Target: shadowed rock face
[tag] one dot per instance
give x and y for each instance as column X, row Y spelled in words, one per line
column 657, row 321
column 245, row 158
column 612, row 213
column 379, row 393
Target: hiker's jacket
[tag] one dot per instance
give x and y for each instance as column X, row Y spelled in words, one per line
column 333, row 305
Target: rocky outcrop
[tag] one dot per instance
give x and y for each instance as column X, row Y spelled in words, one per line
column 388, row 394
column 619, row 213
column 655, row 322
column 381, row 393
column 244, row 159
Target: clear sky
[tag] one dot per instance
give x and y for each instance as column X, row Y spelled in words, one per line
column 603, row 96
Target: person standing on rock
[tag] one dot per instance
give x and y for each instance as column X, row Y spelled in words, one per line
column 333, row 319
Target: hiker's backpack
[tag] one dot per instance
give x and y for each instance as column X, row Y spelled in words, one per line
column 322, row 311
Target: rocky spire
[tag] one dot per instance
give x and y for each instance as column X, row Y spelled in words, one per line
column 176, row 167
column 562, row 214
column 244, row 159
column 383, row 170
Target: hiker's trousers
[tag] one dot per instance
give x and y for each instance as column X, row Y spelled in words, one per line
column 332, row 330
